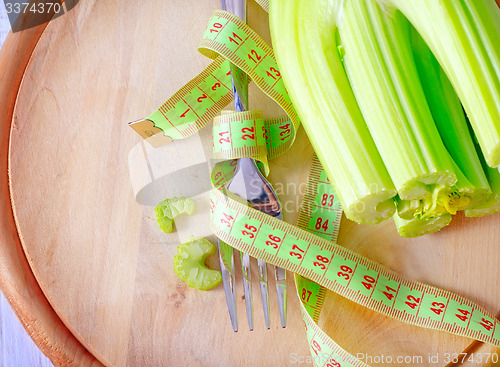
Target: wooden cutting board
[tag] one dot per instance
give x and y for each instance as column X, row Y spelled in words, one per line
column 99, row 266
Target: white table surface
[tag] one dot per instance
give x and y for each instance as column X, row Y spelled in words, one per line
column 4, row 23
column 17, row 349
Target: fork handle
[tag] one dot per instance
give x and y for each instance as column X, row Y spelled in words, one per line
column 237, row 7
column 239, row 78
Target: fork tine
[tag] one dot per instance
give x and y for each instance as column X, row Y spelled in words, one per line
column 228, row 280
column 240, row 89
column 247, row 287
column 280, row 276
column 264, row 293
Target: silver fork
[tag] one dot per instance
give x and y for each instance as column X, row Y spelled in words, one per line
column 249, row 184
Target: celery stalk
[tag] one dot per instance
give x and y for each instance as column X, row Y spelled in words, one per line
column 418, row 227
column 408, row 209
column 472, row 188
column 493, row 204
column 379, row 63
column 450, row 119
column 443, row 201
column 464, row 36
column 303, row 34
column 435, row 213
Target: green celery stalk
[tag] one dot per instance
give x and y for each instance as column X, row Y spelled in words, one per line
column 464, row 36
column 450, row 119
column 418, row 227
column 408, row 209
column 444, row 200
column 303, row 34
column 472, row 188
column 434, row 214
column 379, row 63
column 454, row 130
column 493, row 204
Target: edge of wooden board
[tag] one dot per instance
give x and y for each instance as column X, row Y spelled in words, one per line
column 17, row 281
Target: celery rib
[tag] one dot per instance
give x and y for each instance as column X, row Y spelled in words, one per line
column 379, row 64
column 453, row 128
column 381, row 87
column 418, row 227
column 463, row 35
column 303, row 36
column 493, row 204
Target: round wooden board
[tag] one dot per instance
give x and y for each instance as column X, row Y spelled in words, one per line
column 16, row 278
column 96, row 252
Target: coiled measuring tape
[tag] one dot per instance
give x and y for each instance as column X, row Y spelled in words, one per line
column 309, row 249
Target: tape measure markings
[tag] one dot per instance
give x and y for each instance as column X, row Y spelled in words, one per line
column 336, row 267
column 319, row 342
column 223, row 171
column 175, row 127
column 245, row 135
column 264, row 4
column 402, row 299
column 202, row 98
column 196, row 103
column 311, row 294
column 244, row 65
column 355, row 269
column 317, row 338
column 189, row 108
column 259, row 64
column 239, row 152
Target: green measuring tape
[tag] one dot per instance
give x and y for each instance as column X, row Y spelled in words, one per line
column 309, row 249
column 247, row 134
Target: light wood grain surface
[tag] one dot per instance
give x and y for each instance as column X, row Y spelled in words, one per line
column 18, row 284
column 462, row 258
column 16, row 346
column 95, row 252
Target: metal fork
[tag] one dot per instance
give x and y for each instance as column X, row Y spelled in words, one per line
column 249, row 184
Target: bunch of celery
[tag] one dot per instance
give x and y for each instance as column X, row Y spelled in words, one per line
column 379, row 86
column 315, row 78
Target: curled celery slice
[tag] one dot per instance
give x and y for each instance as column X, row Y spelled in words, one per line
column 189, row 264
column 168, row 209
